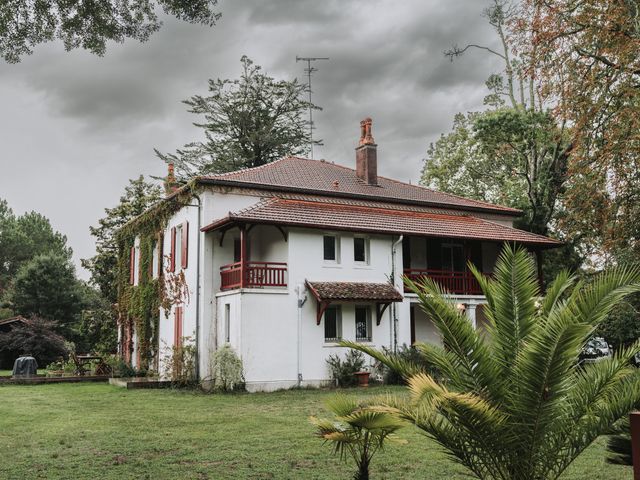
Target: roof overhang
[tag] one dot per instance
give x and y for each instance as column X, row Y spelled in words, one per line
column 326, row 293
column 382, row 221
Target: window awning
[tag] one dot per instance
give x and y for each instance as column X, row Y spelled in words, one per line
column 326, row 293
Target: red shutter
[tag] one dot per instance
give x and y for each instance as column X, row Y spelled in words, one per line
column 185, row 245
column 177, row 326
column 172, row 259
column 132, row 265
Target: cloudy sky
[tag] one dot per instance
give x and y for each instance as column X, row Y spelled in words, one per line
column 75, row 127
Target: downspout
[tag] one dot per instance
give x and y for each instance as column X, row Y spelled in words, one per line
column 302, row 298
column 200, row 259
column 394, row 312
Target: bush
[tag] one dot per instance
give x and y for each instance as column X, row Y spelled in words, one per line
column 36, row 337
column 227, row 370
column 342, row 371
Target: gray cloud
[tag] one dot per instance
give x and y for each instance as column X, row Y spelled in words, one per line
column 76, row 127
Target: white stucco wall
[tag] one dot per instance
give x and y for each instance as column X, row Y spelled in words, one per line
column 264, row 322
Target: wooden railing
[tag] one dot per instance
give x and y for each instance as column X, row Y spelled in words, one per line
column 462, row 283
column 254, row 274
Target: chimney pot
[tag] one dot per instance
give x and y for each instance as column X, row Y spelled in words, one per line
column 366, row 154
column 170, row 184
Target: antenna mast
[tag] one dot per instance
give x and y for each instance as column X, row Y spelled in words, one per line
column 309, row 70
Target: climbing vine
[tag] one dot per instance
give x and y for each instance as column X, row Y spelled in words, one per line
column 139, row 305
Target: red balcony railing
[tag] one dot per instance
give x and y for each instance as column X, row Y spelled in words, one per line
column 255, row 275
column 462, row 283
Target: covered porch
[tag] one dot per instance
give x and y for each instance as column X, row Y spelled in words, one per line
column 252, row 255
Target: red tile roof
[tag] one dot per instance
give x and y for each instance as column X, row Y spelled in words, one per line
column 354, row 291
column 356, row 218
column 318, row 176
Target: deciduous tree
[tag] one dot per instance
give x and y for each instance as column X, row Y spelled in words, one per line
column 89, row 24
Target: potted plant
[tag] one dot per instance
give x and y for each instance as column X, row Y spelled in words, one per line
column 363, row 377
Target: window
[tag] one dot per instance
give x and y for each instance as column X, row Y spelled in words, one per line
column 363, row 324
column 136, row 264
column 236, row 250
column 361, row 249
column 155, row 260
column 227, row 322
column 453, row 257
column 330, row 243
column 178, row 247
column 333, row 323
column 177, row 326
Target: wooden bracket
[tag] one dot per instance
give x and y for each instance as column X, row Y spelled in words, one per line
column 284, row 234
column 380, row 308
column 322, row 306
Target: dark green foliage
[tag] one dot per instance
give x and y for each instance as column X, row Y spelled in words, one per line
column 342, row 371
column 46, row 287
column 37, row 338
column 622, row 326
column 24, row 237
column 97, row 323
column 89, row 24
column 247, row 122
column 405, row 355
column 138, row 196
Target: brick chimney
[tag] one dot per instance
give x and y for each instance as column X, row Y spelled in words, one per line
column 170, row 183
column 366, row 154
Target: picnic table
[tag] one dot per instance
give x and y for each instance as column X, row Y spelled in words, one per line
column 82, row 361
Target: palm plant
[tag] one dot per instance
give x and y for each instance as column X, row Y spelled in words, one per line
column 358, row 430
column 513, row 404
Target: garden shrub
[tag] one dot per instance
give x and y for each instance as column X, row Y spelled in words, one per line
column 342, row 371
column 227, row 370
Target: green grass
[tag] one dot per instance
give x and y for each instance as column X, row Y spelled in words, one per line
column 87, row 431
column 5, row 373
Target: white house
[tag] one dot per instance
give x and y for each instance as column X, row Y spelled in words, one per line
column 284, row 260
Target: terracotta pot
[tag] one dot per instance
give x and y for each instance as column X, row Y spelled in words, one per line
column 363, row 378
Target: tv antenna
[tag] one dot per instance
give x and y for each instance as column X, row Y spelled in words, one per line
column 309, row 71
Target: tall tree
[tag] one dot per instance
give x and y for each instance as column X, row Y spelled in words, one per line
column 514, row 153
column 248, row 122
column 586, row 55
column 24, row 237
column 46, row 287
column 138, row 196
column 89, row 24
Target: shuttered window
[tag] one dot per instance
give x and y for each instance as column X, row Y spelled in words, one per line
column 177, row 326
column 172, row 258
column 184, row 244
column 132, row 265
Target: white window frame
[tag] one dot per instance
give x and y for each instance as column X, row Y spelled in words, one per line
column 338, row 310
column 155, row 260
column 227, row 322
column 336, row 248
column 368, row 323
column 178, row 248
column 136, row 262
column 366, row 260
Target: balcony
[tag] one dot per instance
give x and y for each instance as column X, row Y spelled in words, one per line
column 253, row 275
column 461, row 283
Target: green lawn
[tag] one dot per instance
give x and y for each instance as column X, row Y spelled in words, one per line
column 89, row 431
column 5, row 373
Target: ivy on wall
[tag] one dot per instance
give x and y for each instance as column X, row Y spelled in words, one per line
column 139, row 306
